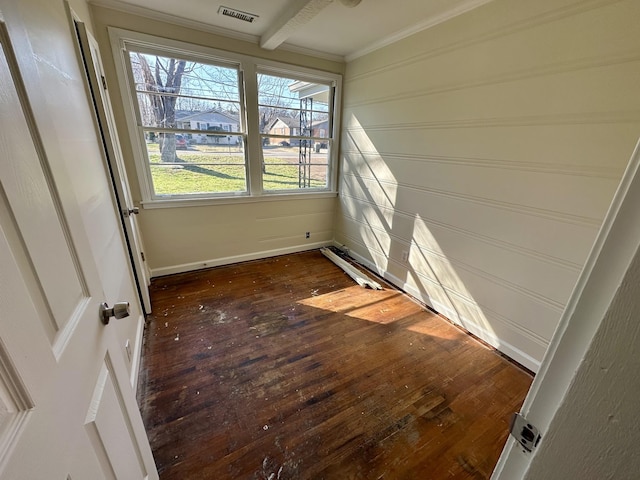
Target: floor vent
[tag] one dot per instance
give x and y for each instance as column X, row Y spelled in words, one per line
column 233, row 13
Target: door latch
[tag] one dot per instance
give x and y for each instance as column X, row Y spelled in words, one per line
column 130, row 211
column 524, row 432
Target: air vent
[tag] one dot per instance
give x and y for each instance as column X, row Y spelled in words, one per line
column 233, row 13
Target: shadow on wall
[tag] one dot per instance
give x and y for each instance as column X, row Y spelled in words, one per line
column 386, row 227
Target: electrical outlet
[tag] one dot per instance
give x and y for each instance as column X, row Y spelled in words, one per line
column 405, row 256
column 307, row 235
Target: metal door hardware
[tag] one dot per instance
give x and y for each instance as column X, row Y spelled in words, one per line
column 524, row 432
column 119, row 310
column 130, row 211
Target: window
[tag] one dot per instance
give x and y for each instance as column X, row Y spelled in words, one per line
column 294, row 119
column 215, row 126
column 176, row 98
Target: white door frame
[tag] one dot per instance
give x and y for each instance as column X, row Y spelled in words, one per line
column 613, row 251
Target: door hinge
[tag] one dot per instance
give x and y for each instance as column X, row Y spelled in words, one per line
column 142, row 257
column 104, row 82
column 524, row 432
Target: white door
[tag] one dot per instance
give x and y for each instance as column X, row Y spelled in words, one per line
column 113, row 155
column 67, row 408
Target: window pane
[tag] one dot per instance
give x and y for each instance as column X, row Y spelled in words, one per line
column 154, row 73
column 189, row 97
column 290, row 105
column 185, row 179
column 204, row 150
column 292, row 164
column 189, row 113
column 296, row 133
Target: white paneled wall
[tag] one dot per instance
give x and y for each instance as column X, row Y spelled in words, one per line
column 487, row 149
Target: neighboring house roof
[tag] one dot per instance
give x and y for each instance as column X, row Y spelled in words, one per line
column 288, row 121
column 180, row 114
column 210, row 116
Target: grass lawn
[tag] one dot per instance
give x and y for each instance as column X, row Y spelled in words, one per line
column 193, row 173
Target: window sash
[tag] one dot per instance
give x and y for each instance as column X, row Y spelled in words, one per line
column 186, row 176
column 250, row 135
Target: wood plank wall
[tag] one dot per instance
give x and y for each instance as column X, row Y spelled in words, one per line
column 486, row 150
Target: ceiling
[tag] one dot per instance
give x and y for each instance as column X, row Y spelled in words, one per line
column 325, row 28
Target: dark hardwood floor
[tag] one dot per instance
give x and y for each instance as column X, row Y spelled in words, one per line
column 285, row 369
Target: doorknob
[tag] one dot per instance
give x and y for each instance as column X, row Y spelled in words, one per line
column 119, row 310
column 130, row 211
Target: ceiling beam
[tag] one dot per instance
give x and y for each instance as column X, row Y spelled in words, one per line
column 299, row 13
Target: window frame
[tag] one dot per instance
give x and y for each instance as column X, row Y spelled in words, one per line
column 299, row 137
column 142, row 129
column 124, row 41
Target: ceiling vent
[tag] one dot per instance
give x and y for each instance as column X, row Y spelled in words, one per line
column 237, row 14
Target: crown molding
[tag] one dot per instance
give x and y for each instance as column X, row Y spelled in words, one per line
column 313, row 53
column 424, row 25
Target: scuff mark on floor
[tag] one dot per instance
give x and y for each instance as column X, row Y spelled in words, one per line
column 268, row 323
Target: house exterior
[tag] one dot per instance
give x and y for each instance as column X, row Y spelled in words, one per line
column 285, row 126
column 291, row 127
column 320, row 129
column 211, row 121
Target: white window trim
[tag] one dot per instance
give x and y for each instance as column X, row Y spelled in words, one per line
column 248, row 66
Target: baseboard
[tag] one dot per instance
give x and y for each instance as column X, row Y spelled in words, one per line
column 136, row 354
column 508, row 349
column 217, row 262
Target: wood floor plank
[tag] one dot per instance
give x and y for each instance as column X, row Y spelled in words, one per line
column 285, row 369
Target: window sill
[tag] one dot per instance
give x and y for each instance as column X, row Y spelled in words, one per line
column 203, row 202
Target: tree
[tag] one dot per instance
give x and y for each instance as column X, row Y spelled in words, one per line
column 276, row 100
column 164, row 77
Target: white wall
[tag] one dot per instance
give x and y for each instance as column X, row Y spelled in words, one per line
column 489, row 148
column 179, row 239
column 195, row 237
